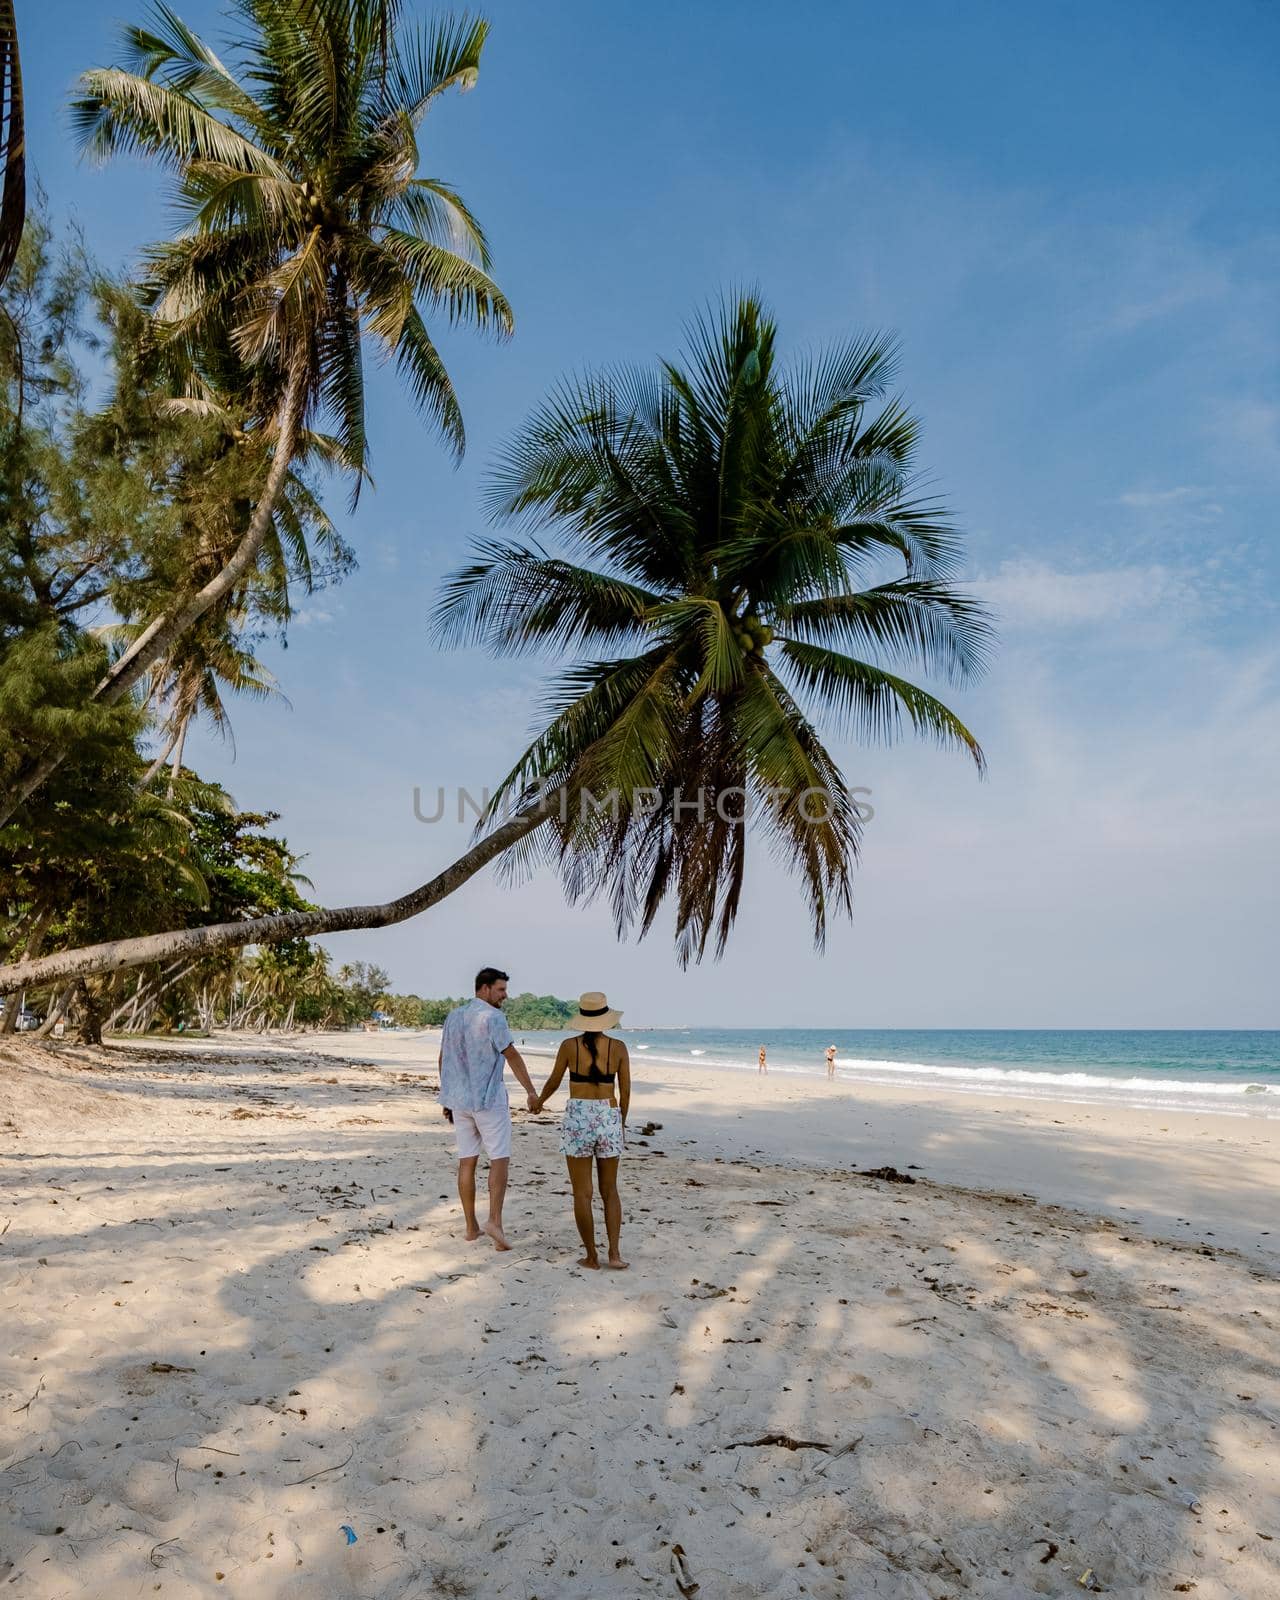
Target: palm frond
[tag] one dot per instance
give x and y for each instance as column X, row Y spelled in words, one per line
column 517, row 598
column 119, row 112
column 911, row 621
column 582, row 708
column 583, row 465
column 286, row 305
column 342, row 385
column 437, row 212
column 443, row 55
column 873, row 703
column 445, row 278
column 420, row 365
column 816, row 829
column 171, row 52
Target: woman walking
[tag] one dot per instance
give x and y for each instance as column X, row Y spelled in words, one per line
column 599, row 1095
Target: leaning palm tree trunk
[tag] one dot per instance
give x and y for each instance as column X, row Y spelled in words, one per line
column 119, row 954
column 175, row 766
column 240, row 1006
column 157, row 639
column 149, row 776
column 59, row 1005
column 147, row 993
column 13, row 196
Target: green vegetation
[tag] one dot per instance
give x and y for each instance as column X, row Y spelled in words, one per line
column 529, row 1011
column 112, row 506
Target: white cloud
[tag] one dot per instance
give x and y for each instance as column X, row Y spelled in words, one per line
column 1161, row 272
column 1148, row 499
column 309, row 616
column 1028, row 593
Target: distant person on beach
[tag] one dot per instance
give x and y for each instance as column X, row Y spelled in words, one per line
column 474, row 1045
column 764, row 1060
column 595, row 1118
column 831, row 1061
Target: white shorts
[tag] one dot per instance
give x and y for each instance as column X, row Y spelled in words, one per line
column 490, row 1129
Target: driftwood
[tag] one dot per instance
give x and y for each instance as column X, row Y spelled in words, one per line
column 783, row 1440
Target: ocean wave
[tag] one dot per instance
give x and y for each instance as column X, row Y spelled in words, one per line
column 1068, row 1080
column 992, row 1076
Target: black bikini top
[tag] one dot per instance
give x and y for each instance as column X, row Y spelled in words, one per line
column 593, row 1073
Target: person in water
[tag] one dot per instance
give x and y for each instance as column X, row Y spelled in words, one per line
column 595, row 1118
column 764, row 1060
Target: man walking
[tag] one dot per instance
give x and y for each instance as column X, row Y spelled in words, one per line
column 475, row 1043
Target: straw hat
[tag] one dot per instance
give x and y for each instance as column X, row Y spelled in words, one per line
column 594, row 1014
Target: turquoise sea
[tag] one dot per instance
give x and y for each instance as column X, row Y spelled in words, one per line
column 1232, row 1071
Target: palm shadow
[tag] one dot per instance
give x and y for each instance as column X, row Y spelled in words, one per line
column 811, row 1383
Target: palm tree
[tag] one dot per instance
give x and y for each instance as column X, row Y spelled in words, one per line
column 212, row 656
column 726, row 526
column 305, row 231
column 13, row 141
column 733, row 513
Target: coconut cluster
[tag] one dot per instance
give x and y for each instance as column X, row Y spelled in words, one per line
column 752, row 635
column 314, row 212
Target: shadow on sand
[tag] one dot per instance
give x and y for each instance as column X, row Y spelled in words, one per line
column 811, row 1384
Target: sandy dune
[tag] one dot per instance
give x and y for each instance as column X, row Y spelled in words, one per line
column 239, row 1318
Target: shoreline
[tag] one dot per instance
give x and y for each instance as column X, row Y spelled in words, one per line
column 1176, row 1173
column 1242, row 1086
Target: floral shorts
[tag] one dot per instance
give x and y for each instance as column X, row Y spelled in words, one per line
column 591, row 1128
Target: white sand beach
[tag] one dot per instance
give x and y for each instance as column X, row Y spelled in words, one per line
column 242, row 1326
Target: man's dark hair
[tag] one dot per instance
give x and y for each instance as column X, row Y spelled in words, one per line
column 488, row 975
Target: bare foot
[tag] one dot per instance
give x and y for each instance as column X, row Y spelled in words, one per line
column 496, row 1234
column 617, row 1263
column 471, row 1235
column 590, row 1261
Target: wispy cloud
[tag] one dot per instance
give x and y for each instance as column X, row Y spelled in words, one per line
column 311, row 616
column 1027, row 593
column 1155, row 270
column 1152, row 499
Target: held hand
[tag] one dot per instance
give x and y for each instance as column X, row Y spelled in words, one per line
column 532, row 1101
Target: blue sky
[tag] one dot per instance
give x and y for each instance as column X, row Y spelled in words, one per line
column 1069, row 215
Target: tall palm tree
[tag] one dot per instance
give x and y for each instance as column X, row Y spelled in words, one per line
column 732, row 514
column 305, row 231
column 13, row 141
column 725, row 528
